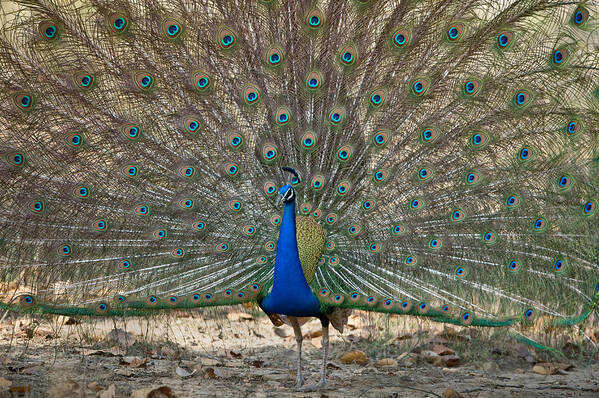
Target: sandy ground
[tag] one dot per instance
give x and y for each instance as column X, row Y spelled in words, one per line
column 241, row 354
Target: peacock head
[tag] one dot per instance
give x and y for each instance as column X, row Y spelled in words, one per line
column 287, row 193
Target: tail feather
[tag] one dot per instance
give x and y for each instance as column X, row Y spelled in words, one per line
column 448, row 148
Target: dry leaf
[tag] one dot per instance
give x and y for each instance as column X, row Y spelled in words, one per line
column 122, row 337
column 443, row 350
column 239, row 316
column 450, row 361
column 137, row 362
column 313, row 334
column 451, row 393
column 5, row 382
column 551, row 368
column 212, row 373
column 20, row 390
column 354, row 356
column 259, row 363
column 182, row 372
column 234, row 354
column 386, row 363
column 113, row 352
column 160, row 392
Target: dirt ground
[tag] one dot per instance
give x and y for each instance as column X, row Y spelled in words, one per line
column 240, row 353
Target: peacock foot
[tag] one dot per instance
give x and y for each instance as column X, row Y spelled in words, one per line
column 299, row 382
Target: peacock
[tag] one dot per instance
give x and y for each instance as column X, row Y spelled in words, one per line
column 438, row 159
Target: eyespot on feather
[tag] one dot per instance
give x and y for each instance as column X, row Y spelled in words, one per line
column 202, row 82
column 172, row 28
column 274, row 56
column 48, row 30
column 85, row 81
column 143, row 80
column 251, row 94
column 117, row 22
column 282, row 116
column 131, row 132
column 348, row 55
column 75, row 140
column 191, row 124
column 314, row 19
column 400, row 38
column 23, row 101
column 226, row 38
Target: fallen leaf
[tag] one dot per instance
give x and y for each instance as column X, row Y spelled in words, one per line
column 239, row 316
column 121, row 337
column 212, row 373
column 354, row 356
column 234, row 354
column 113, row 352
column 551, row 368
column 451, row 361
column 313, row 334
column 386, row 363
column 258, row 363
column 443, row 350
column 21, row 390
column 450, row 393
column 138, row 363
column 5, row 382
column 182, row 372
column 160, row 392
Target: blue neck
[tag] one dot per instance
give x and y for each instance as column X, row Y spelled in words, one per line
column 290, row 294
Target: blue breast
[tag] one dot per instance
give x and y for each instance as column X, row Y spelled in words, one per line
column 290, row 294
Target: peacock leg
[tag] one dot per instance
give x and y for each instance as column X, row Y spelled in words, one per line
column 325, row 353
column 298, row 338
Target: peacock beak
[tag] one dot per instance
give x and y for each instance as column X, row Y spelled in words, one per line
column 279, row 199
